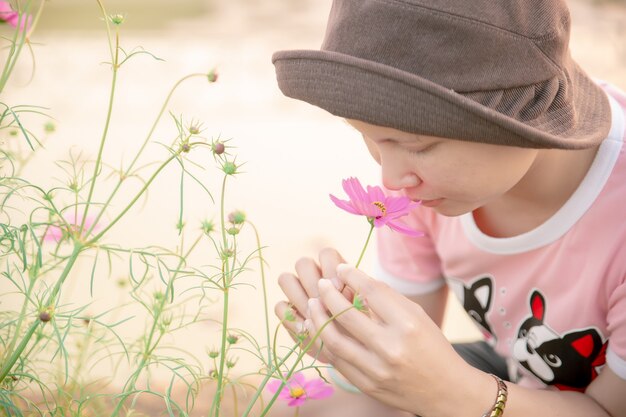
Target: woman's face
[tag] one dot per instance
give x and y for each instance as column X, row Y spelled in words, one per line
column 452, row 177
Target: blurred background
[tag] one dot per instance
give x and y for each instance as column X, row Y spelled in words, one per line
column 295, row 154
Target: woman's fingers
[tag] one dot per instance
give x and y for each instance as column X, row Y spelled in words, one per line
column 329, row 259
column 339, row 344
column 295, row 292
column 388, row 305
column 290, row 318
column 357, row 324
column 298, row 331
column 308, row 273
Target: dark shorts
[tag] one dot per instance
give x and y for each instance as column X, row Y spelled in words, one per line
column 482, row 356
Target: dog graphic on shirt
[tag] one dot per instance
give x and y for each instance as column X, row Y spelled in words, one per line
column 569, row 362
column 476, row 300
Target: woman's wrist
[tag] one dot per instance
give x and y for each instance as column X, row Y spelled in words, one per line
column 473, row 395
column 502, row 393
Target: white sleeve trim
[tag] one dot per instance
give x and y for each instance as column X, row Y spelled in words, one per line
column 617, row 364
column 404, row 286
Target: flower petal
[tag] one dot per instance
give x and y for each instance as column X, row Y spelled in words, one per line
column 296, row 402
column 376, row 193
column 53, row 234
column 402, row 228
column 297, row 379
column 345, row 205
column 273, row 385
column 317, row 389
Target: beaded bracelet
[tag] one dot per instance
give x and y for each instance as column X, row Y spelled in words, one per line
column 497, row 410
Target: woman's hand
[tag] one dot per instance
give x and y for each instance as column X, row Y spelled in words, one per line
column 302, row 286
column 392, row 350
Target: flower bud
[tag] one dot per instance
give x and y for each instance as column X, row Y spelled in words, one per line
column 208, row 227
column 166, row 319
column 49, row 127
column 289, row 316
column 185, row 148
column 229, row 168
column 45, row 316
column 302, row 336
column 116, row 19
column 359, row 303
column 194, row 129
column 237, row 217
column 232, row 231
column 212, row 75
column 218, row 148
column 213, row 354
column 232, row 339
column 230, row 364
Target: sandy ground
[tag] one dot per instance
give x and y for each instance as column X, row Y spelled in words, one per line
column 295, row 154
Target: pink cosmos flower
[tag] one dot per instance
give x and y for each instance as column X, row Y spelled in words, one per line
column 298, row 389
column 380, row 210
column 56, row 233
column 12, row 17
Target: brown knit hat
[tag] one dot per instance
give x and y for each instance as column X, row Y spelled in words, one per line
column 493, row 71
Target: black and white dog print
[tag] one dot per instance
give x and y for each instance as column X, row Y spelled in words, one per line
column 569, row 361
column 476, row 299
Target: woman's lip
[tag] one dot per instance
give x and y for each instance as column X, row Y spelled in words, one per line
column 432, row 203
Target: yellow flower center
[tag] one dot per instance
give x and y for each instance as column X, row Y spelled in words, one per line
column 381, row 206
column 296, row 392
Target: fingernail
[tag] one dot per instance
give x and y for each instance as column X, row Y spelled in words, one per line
column 299, row 327
column 310, row 304
column 308, row 325
column 341, row 268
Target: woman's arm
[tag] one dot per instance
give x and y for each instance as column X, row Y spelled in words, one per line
column 395, row 353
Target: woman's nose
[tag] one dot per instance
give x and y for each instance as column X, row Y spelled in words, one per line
column 397, row 177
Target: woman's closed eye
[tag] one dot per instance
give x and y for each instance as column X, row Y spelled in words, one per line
column 419, row 150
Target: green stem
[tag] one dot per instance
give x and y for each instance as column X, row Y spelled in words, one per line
column 22, row 316
column 150, row 345
column 15, row 355
column 291, row 371
column 367, row 241
column 133, row 201
column 107, row 123
column 217, row 400
column 265, row 303
column 128, row 170
column 16, row 47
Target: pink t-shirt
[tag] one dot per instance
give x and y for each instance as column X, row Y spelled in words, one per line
column 553, row 300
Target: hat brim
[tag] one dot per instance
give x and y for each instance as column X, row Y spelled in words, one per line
column 355, row 88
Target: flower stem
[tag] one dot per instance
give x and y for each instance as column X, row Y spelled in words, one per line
column 16, row 46
column 265, row 305
column 127, row 171
column 217, row 400
column 16, row 354
column 134, row 200
column 97, row 167
column 293, row 368
column 150, row 344
column 367, row 241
